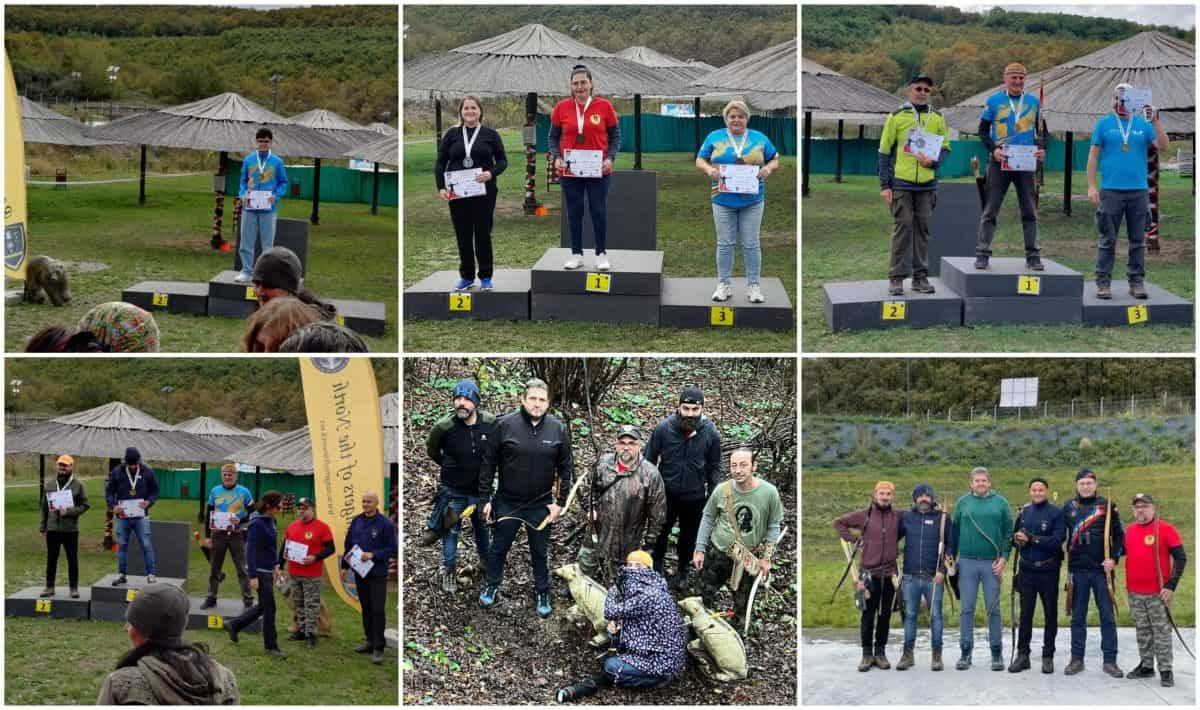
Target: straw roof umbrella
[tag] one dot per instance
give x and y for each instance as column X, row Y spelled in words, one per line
column 41, row 125
column 766, row 79
column 385, row 150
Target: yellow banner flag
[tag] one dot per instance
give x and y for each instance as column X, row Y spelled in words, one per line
column 346, row 431
column 14, row 180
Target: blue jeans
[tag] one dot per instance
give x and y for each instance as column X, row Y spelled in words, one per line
column 1134, row 207
column 596, row 189
column 458, row 501
column 972, row 573
column 734, row 224
column 257, row 226
column 1092, row 582
column 142, row 527
column 626, row 675
column 914, row 589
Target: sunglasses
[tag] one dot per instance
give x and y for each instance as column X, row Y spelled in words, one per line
column 922, row 89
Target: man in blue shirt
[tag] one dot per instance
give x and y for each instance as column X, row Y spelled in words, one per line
column 1121, row 143
column 374, row 534
column 262, row 172
column 1010, row 117
column 235, row 499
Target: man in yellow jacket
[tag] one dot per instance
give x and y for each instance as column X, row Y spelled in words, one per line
column 909, row 155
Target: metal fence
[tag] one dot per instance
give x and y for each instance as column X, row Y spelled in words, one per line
column 1074, row 409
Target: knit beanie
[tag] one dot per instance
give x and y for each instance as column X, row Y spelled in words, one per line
column 468, row 389
column 159, row 612
column 922, row 489
column 278, row 267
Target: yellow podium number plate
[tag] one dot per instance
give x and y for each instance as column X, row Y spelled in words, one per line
column 341, row 320
column 599, row 283
column 130, row 594
column 1029, row 285
column 1137, row 314
column 893, row 310
column 159, row 299
column 42, row 606
column 721, row 315
column 216, row 622
column 460, row 301
column 250, row 294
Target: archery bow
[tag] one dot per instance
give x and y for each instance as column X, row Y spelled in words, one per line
column 1166, row 606
column 1108, row 574
column 758, row 578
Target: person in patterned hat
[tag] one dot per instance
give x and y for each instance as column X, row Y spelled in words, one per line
column 121, row 327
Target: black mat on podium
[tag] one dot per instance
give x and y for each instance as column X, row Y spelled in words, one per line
column 290, row 233
column 632, row 213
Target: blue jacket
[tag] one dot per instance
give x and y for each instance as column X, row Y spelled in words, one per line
column 376, row 535
column 273, row 177
column 1047, row 530
column 117, row 487
column 1084, row 518
column 651, row 637
column 260, row 545
column 921, row 533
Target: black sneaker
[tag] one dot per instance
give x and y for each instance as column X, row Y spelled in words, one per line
column 209, row 603
column 233, row 632
column 276, row 654
column 981, row 262
column 363, row 647
column 1142, row 671
column 297, row 636
column 377, row 657
column 312, row 640
column 1034, row 263
column 1168, row 679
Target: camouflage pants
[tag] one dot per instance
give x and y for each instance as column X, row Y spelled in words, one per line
column 715, row 574
column 306, row 591
column 1153, row 629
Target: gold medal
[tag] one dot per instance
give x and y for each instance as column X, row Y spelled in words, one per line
column 1125, row 148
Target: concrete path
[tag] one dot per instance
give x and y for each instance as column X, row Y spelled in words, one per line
column 828, row 674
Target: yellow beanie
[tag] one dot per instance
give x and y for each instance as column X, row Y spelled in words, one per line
column 1015, row 68
column 885, row 486
column 641, row 557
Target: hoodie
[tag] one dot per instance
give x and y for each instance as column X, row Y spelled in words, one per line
column 154, row 681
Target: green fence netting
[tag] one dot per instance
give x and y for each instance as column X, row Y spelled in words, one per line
column 337, row 184
column 861, row 156
column 669, row 134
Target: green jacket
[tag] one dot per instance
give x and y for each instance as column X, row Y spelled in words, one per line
column 983, row 526
column 899, row 170
column 64, row 520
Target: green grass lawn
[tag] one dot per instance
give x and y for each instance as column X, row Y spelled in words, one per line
column 847, row 233
column 81, row 653
column 685, row 235
column 829, row 493
column 351, row 255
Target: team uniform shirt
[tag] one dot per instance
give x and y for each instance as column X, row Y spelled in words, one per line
column 231, row 500
column 718, row 150
column 1120, row 170
column 271, row 176
column 1008, row 128
column 1141, row 575
column 599, row 117
column 315, row 535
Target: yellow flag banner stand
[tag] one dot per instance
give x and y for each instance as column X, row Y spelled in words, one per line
column 346, row 431
column 14, row 180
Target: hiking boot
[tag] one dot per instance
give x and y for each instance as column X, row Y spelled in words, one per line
column 981, row 262
column 297, row 636
column 276, row 654
column 487, row 598
column 1113, row 670
column 921, row 285
column 208, row 603
column 881, row 662
column 895, row 287
column 1142, row 671
column 866, row 664
column 119, row 581
column 449, row 580
column 1021, row 663
column 233, row 632
column 312, row 640
column 1047, row 665
column 377, row 657
column 47, row 592
column 906, row 660
column 428, row 537
column 247, row 603
column 1103, row 291
column 543, row 604
column 936, row 663
column 74, row 592
column 963, row 663
column 582, row 689
column 363, row 647
column 997, row 661
column 1138, row 290
column 1075, row 666
column 1034, row 263
column 1168, row 679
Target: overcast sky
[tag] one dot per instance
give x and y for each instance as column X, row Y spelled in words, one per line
column 1183, row 16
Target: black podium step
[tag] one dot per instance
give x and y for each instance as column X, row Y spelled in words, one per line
column 1007, row 276
column 366, row 317
column 1022, row 310
column 434, row 297
column 169, row 296
column 687, row 303
column 1160, row 308
column 594, row 308
column 633, row 273
column 217, row 617
column 862, row 305
column 104, row 591
column 29, row 602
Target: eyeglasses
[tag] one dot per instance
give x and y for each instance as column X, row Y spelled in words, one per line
column 922, row 89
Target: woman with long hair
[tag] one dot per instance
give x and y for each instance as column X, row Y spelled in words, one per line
column 264, row 569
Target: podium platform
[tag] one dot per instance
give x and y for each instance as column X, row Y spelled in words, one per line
column 169, row 296
column 365, row 317
column 632, row 213
column 1161, row 308
column 109, row 602
column 290, row 233
column 1009, row 293
column 687, row 303
column 172, row 542
column 230, row 299
column 28, row 602
column 633, row 273
column 434, row 297
column 220, row 615
column 594, row 308
column 862, row 305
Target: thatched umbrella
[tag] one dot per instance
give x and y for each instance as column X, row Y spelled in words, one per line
column 384, row 150
column 228, row 437
column 340, row 129
column 262, row 434
column 528, row 61
column 679, row 71
column 765, row 79
column 382, row 129
column 41, row 125
column 225, row 123
column 826, row 94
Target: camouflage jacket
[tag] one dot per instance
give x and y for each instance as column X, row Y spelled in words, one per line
column 630, row 508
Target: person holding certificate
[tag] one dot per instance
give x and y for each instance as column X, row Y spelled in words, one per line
column 263, row 184
column 1121, row 143
column 61, row 507
column 370, row 547
column 1009, row 124
column 738, row 160
column 228, row 510
column 130, row 491
column 469, row 159
column 911, row 147
column 262, row 562
column 306, row 542
column 584, row 137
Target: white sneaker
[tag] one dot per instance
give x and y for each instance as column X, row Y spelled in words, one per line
column 754, row 294
column 574, row 262
column 150, row 579
column 723, row 292
column 242, row 278
column 603, row 263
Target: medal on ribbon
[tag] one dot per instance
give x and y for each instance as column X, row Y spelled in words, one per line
column 579, row 139
column 468, row 143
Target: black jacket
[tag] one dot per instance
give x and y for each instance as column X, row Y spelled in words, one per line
column 487, row 152
column 1084, row 518
column 458, row 449
column 690, row 467
column 1043, row 523
column 921, row 533
column 527, row 458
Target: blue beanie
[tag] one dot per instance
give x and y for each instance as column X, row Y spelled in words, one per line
column 468, row 389
column 132, row 455
column 922, row 489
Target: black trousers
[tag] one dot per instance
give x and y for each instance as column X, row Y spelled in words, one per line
column 472, row 220
column 372, row 597
column 503, row 535
column 688, row 513
column 1032, row 586
column 264, row 608
column 877, row 617
column 69, row 541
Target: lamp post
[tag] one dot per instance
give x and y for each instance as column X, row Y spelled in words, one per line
column 166, row 393
column 275, row 79
column 113, row 69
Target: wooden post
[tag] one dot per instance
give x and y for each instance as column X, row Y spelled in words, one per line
column 437, row 121
column 315, row 219
column 375, row 192
column 219, row 210
column 529, row 138
column 806, row 151
column 1069, row 153
column 142, row 178
column 203, row 494
column 837, row 177
column 637, row 131
column 696, row 123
